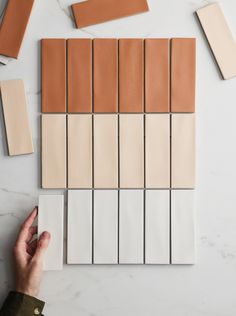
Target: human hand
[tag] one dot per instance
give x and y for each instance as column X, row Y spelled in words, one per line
column 28, row 255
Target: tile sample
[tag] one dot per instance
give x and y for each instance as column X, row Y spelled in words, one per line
column 19, row 138
column 13, row 26
column 79, row 224
column 51, row 219
column 183, row 151
column 79, row 151
column 105, row 52
column 157, row 227
column 131, row 151
column 53, row 151
column 157, row 136
column 157, row 75
column 105, row 227
column 131, row 227
column 220, row 38
column 105, row 151
column 182, row 227
column 98, row 11
column 53, row 75
column 131, row 75
column 79, row 75
column 183, row 74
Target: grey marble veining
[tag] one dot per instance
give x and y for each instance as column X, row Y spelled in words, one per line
column 206, row 289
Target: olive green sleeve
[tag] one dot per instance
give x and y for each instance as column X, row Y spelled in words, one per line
column 18, row 304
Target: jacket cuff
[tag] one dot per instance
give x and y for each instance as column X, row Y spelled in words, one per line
column 22, row 305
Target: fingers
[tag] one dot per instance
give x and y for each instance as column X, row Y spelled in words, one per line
column 31, row 248
column 42, row 246
column 24, row 232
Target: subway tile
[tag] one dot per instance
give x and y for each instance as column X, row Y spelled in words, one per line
column 79, row 224
column 182, row 227
column 131, row 75
column 18, row 131
column 131, row 151
column 54, row 75
column 183, row 74
column 80, row 151
column 131, row 227
column 79, row 75
column 219, row 37
column 51, row 219
column 105, row 75
column 157, row 147
column 157, row 75
column 183, row 151
column 106, row 151
column 105, row 227
column 157, row 227
column 53, row 151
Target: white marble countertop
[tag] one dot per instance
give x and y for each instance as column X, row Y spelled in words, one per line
column 206, row 289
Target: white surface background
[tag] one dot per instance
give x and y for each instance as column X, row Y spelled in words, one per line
column 206, row 289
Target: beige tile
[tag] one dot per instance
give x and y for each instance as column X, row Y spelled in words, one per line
column 157, row 150
column 183, row 151
column 80, row 151
column 105, row 151
column 53, row 151
column 18, row 130
column 131, row 151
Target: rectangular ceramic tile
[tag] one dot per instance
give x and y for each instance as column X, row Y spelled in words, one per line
column 157, row 137
column 53, row 151
column 79, row 227
column 183, row 151
column 157, row 227
column 131, row 151
column 106, row 227
column 182, row 227
column 13, row 26
column 131, row 75
column 53, row 75
column 157, row 75
column 131, row 227
column 183, row 73
column 220, row 38
column 79, row 75
column 80, row 151
column 16, row 118
column 105, row 75
column 105, row 151
column 99, row 11
column 51, row 219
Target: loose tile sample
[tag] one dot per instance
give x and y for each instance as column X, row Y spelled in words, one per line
column 53, row 151
column 105, row 227
column 131, row 151
column 51, row 219
column 182, row 227
column 79, row 227
column 131, row 227
column 105, row 75
column 157, row 227
column 157, row 151
column 183, row 73
column 79, row 75
column 157, row 75
column 79, row 151
column 183, row 151
column 98, row 11
column 131, row 75
column 53, row 75
column 16, row 118
column 105, row 151
column 220, row 38
column 13, row 26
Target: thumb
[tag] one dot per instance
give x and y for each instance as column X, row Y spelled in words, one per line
column 42, row 246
